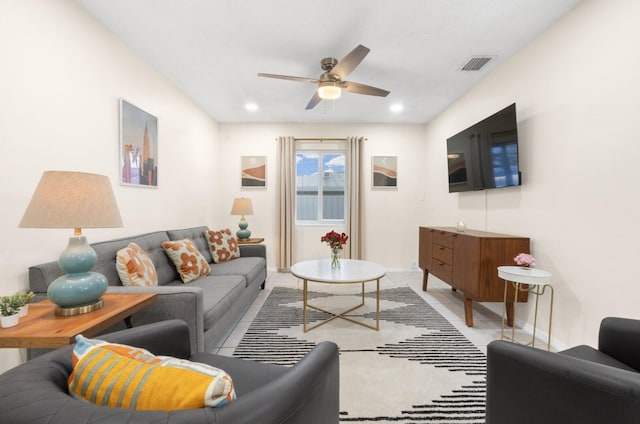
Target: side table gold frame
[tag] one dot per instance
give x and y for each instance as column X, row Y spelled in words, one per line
column 521, row 280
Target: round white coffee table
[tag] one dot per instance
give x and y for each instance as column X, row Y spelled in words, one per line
column 351, row 271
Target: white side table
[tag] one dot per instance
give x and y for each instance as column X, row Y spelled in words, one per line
column 519, row 277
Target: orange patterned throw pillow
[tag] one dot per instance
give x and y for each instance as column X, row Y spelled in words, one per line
column 135, row 267
column 121, row 376
column 222, row 245
column 188, row 260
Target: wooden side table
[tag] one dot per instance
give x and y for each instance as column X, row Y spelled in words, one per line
column 42, row 328
column 252, row 240
column 536, row 282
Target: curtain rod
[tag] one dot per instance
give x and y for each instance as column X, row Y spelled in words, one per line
column 320, row 139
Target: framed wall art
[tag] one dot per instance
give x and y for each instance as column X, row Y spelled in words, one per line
column 253, row 170
column 384, row 172
column 138, row 147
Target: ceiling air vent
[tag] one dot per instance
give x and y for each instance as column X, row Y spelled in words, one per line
column 475, row 63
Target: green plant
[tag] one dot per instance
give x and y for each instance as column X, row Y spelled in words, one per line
column 9, row 305
column 22, row 297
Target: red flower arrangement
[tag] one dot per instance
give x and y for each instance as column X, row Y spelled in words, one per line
column 334, row 240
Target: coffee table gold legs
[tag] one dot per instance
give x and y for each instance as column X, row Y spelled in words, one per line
column 304, row 305
column 341, row 315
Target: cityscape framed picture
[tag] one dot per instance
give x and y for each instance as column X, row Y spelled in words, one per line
column 138, row 147
column 384, row 172
column 253, row 171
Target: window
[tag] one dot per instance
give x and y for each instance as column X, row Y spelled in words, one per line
column 505, row 164
column 320, row 186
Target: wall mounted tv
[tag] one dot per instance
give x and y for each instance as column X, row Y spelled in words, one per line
column 485, row 155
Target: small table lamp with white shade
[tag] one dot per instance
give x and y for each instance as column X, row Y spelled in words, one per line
column 242, row 206
column 75, row 200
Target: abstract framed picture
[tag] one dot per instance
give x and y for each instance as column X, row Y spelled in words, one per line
column 253, row 170
column 384, row 172
column 138, row 147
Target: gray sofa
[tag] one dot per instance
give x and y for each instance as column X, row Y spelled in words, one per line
column 307, row 393
column 211, row 305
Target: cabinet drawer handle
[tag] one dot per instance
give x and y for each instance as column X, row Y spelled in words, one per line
column 440, row 263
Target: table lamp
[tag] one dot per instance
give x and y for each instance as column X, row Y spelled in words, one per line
column 242, row 206
column 74, row 200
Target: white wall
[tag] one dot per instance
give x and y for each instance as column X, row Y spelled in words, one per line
column 576, row 89
column 60, row 81
column 390, row 226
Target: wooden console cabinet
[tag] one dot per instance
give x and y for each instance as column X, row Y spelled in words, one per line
column 468, row 261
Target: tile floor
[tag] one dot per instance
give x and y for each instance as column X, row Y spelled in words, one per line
column 448, row 303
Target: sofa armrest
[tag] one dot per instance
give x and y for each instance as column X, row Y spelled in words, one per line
column 259, row 250
column 174, row 302
column 306, row 393
column 169, row 338
column 532, row 386
column 620, row 339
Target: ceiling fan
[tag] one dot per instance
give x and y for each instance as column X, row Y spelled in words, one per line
column 332, row 81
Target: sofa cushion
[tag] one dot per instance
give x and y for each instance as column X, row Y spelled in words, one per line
column 135, row 267
column 220, row 293
column 150, row 243
column 121, row 376
column 190, row 264
column 222, row 245
column 197, row 235
column 593, row 355
column 247, row 267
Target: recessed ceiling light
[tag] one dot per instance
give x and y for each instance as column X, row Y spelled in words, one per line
column 251, row 107
column 396, row 108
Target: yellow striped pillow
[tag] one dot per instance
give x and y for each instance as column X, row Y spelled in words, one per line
column 121, row 376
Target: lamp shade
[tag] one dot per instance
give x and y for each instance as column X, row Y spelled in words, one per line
column 66, row 199
column 242, row 206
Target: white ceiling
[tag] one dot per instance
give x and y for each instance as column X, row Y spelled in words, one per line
column 213, row 49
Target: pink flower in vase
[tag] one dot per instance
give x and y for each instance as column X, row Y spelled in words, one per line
column 525, row 260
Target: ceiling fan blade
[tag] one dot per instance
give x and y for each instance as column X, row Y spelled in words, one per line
column 349, row 62
column 355, row 87
column 289, row 78
column 314, row 101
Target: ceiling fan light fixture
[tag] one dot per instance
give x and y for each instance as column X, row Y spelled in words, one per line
column 329, row 90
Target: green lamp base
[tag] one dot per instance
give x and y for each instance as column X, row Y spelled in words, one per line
column 243, row 232
column 80, row 290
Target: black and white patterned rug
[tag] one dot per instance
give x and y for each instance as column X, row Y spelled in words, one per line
column 417, row 368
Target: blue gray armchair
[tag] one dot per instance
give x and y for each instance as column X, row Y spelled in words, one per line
column 579, row 385
column 36, row 391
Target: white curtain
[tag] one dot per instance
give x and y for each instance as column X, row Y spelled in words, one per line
column 353, row 186
column 286, row 203
column 286, row 243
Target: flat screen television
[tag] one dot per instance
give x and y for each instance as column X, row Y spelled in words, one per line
column 485, row 155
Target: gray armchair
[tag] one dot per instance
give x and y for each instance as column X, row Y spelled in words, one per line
column 579, row 385
column 36, row 391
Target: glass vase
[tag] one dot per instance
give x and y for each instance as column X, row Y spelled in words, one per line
column 335, row 257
